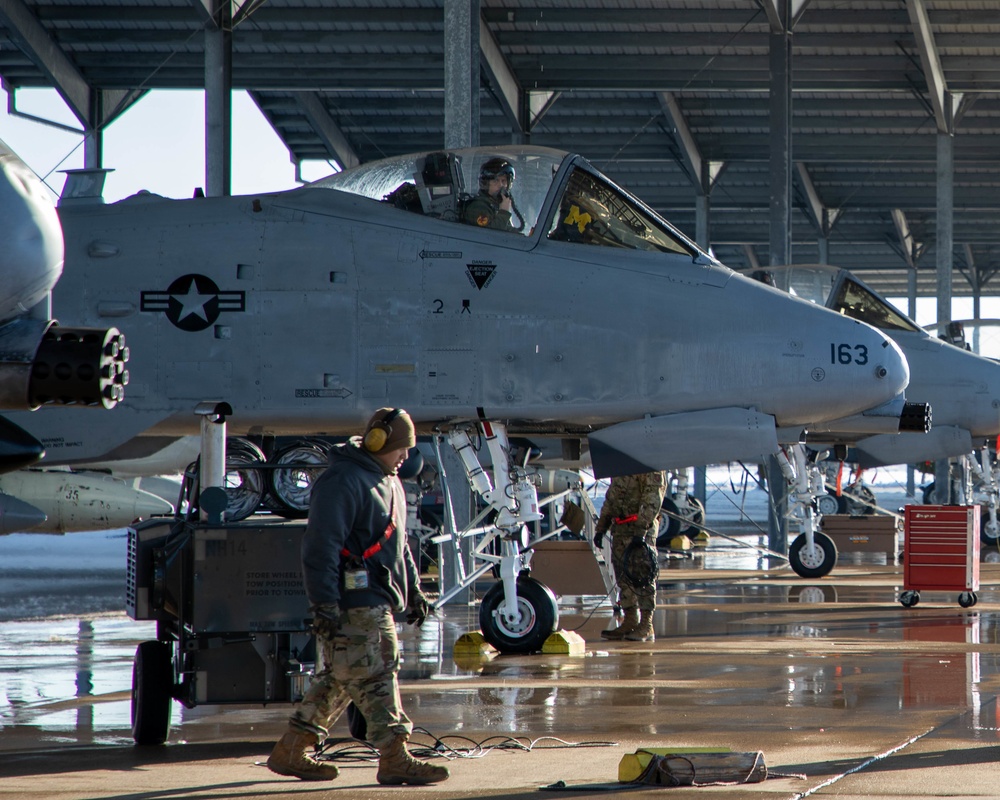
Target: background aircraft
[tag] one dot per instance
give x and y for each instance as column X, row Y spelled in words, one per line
column 594, row 321
column 962, row 388
column 41, row 362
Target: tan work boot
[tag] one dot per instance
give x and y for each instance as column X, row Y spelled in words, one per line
column 289, row 757
column 644, row 630
column 396, row 766
column 628, row 625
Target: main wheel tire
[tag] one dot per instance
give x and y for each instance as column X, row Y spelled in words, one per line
column 245, row 485
column 669, row 526
column 538, row 617
column 152, row 691
column 694, row 516
column 989, row 534
column 829, row 504
column 813, row 564
column 861, row 501
column 290, row 486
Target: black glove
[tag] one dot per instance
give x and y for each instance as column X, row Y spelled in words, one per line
column 419, row 609
column 599, row 539
column 326, row 620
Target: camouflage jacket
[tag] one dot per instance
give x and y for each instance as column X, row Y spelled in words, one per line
column 640, row 494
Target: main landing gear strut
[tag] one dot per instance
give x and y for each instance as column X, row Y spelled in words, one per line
column 518, row 613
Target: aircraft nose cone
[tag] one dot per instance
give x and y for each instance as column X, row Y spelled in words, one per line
column 31, row 258
column 148, row 505
column 17, row 516
column 18, row 448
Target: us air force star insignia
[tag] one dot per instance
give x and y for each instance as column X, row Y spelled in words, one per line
column 193, row 302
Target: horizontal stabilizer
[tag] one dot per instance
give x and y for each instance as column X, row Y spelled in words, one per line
column 942, row 441
column 672, row 441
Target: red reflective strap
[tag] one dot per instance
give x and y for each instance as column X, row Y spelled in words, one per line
column 626, row 520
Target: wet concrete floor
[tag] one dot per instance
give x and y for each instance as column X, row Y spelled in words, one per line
column 843, row 691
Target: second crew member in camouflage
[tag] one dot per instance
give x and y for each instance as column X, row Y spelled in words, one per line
column 631, row 507
column 358, row 571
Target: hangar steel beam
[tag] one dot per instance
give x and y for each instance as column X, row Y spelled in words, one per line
column 327, row 129
column 822, row 217
column 94, row 108
column 539, row 104
column 942, row 100
column 34, row 41
column 773, row 10
column 501, row 77
column 701, row 172
column 910, row 248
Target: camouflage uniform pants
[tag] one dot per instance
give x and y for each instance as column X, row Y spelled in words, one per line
column 632, row 593
column 360, row 664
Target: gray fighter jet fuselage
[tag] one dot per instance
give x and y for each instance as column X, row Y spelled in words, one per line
column 306, row 310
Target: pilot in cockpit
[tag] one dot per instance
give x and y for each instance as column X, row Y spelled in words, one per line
column 493, row 206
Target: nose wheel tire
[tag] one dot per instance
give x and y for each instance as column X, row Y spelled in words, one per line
column 537, row 617
column 815, row 562
column 152, row 691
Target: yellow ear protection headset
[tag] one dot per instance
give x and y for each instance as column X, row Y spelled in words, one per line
column 376, row 438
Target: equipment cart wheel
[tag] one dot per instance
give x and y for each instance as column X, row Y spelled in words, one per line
column 815, row 563
column 537, row 618
column 967, row 599
column 152, row 691
column 909, row 598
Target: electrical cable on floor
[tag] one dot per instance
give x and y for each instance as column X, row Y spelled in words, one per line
column 449, row 747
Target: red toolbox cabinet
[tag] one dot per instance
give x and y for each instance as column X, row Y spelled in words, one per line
column 940, row 552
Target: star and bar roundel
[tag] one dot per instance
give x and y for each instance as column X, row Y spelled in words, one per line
column 192, row 302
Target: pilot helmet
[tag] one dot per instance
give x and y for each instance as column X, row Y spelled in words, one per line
column 494, row 168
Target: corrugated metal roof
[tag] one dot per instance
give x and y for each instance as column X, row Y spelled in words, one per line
column 864, row 132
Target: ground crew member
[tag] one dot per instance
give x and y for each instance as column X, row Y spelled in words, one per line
column 632, row 505
column 358, row 570
column 491, row 208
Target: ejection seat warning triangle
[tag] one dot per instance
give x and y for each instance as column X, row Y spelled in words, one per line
column 480, row 275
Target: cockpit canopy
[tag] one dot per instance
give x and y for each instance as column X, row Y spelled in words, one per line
column 561, row 192
column 838, row 290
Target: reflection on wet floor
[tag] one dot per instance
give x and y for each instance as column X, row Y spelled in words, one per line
column 745, row 650
column 746, row 645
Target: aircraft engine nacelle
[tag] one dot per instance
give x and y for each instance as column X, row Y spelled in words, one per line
column 672, row 441
column 42, row 363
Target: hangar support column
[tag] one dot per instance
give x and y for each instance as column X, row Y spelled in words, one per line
column 780, row 239
column 219, row 100
column 461, row 73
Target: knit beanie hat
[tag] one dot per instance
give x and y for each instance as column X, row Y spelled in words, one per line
column 389, row 429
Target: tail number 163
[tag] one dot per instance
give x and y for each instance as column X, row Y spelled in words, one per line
column 848, row 354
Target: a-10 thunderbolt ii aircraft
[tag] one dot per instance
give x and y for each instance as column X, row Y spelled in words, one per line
column 43, row 363
column 592, row 319
column 962, row 388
